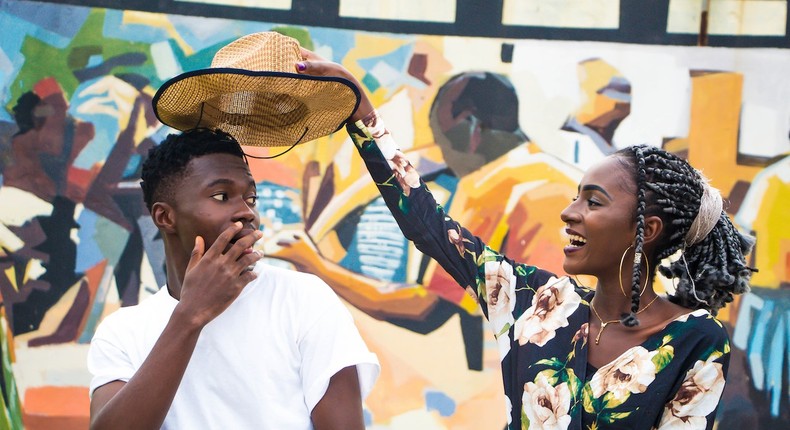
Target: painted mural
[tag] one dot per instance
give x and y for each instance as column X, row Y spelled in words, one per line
column 501, row 129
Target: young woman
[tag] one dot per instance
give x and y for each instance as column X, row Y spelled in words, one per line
column 618, row 355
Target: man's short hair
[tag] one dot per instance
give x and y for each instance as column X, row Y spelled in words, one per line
column 166, row 163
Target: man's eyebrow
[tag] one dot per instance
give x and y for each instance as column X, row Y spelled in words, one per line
column 219, row 181
column 226, row 181
column 593, row 187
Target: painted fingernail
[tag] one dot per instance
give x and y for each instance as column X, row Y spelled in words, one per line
column 301, row 66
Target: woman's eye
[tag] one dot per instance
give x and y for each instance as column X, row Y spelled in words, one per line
column 220, row 196
column 575, row 198
column 592, row 202
column 252, row 200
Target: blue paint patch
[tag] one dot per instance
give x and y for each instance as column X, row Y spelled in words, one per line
column 439, row 402
column 94, row 60
column 130, row 172
column 377, row 248
column 370, row 82
column 276, row 204
column 449, row 183
column 17, row 30
column 88, row 252
column 65, row 21
column 99, row 239
column 203, row 32
column 341, row 42
column 397, row 59
column 116, row 28
column 368, row 417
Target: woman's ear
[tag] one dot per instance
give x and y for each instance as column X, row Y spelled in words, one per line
column 164, row 217
column 653, row 228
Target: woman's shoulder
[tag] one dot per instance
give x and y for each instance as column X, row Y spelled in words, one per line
column 698, row 323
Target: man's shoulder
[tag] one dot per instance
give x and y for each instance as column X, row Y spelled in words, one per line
column 160, row 302
column 289, row 280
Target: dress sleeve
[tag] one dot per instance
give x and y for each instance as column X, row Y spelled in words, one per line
column 489, row 276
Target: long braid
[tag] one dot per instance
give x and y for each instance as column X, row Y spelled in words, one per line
column 630, row 320
column 709, row 272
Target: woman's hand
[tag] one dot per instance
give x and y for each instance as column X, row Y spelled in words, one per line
column 315, row 65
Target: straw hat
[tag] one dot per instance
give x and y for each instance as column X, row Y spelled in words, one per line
column 252, row 91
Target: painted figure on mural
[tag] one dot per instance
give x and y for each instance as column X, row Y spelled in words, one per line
column 561, row 366
column 229, row 342
column 605, row 102
column 474, row 119
column 65, row 197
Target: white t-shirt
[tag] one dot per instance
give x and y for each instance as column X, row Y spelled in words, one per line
column 264, row 363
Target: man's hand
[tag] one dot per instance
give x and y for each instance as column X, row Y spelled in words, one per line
column 215, row 277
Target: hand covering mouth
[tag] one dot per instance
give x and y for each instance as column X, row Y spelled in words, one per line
column 243, row 232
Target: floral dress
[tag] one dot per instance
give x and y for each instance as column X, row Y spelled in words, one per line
column 673, row 380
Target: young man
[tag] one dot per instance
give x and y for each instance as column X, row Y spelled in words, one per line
column 229, row 342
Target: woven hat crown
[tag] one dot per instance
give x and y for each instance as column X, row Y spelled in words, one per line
column 252, row 91
column 267, row 51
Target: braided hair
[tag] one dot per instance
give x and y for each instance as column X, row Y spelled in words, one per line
column 708, row 272
column 167, row 162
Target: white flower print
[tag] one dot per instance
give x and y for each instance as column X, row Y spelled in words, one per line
column 500, row 299
column 632, row 372
column 553, row 303
column 696, row 313
column 546, row 406
column 697, row 397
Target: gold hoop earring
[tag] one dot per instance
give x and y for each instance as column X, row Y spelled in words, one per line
column 637, row 259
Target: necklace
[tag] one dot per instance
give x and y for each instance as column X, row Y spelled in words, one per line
column 606, row 323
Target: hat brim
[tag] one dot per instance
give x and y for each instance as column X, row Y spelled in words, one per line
column 257, row 108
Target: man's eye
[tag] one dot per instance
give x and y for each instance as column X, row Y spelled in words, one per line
column 252, row 200
column 220, row 196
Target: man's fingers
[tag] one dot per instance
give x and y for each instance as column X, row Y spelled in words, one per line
column 222, row 241
column 197, row 253
column 243, row 245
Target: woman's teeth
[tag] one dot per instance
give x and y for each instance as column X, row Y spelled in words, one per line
column 577, row 241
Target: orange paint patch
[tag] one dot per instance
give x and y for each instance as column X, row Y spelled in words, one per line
column 64, row 408
column 266, row 170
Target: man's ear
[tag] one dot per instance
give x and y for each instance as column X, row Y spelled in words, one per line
column 653, row 228
column 164, row 217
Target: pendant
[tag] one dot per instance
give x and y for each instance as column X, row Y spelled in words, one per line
column 600, row 332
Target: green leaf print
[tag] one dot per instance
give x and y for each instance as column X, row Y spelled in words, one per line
column 552, row 362
column 524, row 420
column 588, row 400
column 615, row 416
column 663, row 357
column 611, row 402
column 403, row 204
column 552, row 376
column 574, row 383
column 504, row 330
column 523, row 270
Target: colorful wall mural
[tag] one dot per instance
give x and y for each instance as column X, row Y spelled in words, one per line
column 503, row 128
